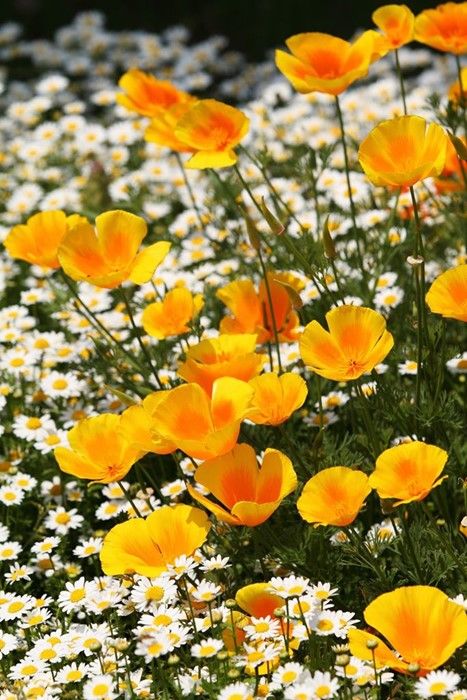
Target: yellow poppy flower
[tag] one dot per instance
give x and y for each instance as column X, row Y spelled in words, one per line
column 396, row 22
column 276, row 397
column 333, row 496
column 448, row 294
column 107, row 255
column 402, row 151
column 408, row 472
column 249, row 494
column 357, row 340
column 421, row 624
column 98, row 450
column 148, row 546
column 225, row 356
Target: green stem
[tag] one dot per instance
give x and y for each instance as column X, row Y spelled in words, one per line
column 353, row 213
column 401, row 81
column 411, row 548
column 367, row 419
column 271, row 308
column 189, row 190
column 419, row 272
column 130, row 500
column 461, row 95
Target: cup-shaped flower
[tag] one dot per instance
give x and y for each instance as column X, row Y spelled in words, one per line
column 396, row 22
column 357, row 340
column 248, row 493
column 161, row 130
column 251, row 312
column 99, row 450
column 107, row 255
column 402, row 151
column 444, row 27
column 148, row 546
column 333, row 496
column 202, row 426
column 212, row 129
column 145, row 94
column 172, row 315
column 276, row 397
column 37, row 241
column 325, row 63
column 137, row 425
column 408, row 472
column 420, row 623
column 225, row 356
column 448, row 294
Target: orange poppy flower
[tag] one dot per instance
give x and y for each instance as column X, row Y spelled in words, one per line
column 408, row 472
column 333, row 496
column 251, row 313
column 448, row 294
column 148, row 546
column 357, row 341
column 224, row 356
column 171, row 316
column 444, row 27
column 325, row 63
column 249, row 494
column 162, row 127
column 98, row 450
column 396, row 22
column 421, row 624
column 107, row 255
column 276, row 397
column 37, row 240
column 402, row 151
column 144, row 94
column 202, row 426
column 212, row 129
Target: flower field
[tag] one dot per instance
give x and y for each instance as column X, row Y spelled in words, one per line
column 232, row 376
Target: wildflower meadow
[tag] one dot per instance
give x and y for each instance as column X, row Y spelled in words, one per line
column 233, row 363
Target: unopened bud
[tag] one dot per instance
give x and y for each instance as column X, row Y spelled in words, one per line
column 222, row 655
column 230, row 603
column 273, row 222
column 173, row 660
column 413, row 668
column 328, row 243
column 95, row 646
column 415, row 260
column 372, row 644
column 279, row 612
column 233, row 673
column 342, row 660
column 459, row 145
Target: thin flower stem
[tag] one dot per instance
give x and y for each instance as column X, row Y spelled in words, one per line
column 419, row 272
column 401, row 80
column 144, row 349
column 353, row 213
column 247, row 188
column 271, row 308
column 367, row 419
column 411, row 548
column 189, row 190
column 130, row 500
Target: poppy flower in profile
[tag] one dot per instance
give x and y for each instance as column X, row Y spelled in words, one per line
column 408, row 472
column 108, row 254
column 172, row 315
column 202, row 426
column 37, row 241
column 420, row 623
column 148, row 546
column 99, row 450
column 276, row 397
column 333, row 496
column 212, row 129
column 396, row 22
column 448, row 294
column 225, row 356
column 444, row 27
column 357, row 340
column 402, row 151
column 251, row 312
column 324, row 63
column 248, row 493
column 161, row 130
column 145, row 94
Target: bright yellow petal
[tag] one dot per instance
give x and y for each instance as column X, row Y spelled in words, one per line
column 147, row 261
column 128, row 548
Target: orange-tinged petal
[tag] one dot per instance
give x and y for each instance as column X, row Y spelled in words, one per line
column 80, row 255
column 231, row 401
column 119, row 234
column 162, row 127
column 334, row 496
column 147, row 261
column 253, row 514
column 420, row 623
column 397, row 22
column 220, row 513
column 320, row 352
column 210, row 125
column 444, row 27
column 448, row 294
column 136, row 424
column 146, row 94
column 382, row 654
column 256, row 600
column 408, row 472
column 170, row 316
column 128, row 548
column 183, row 414
column 38, row 240
column 276, row 478
column 295, row 71
column 276, row 397
column 241, row 299
column 232, row 477
column 177, row 530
